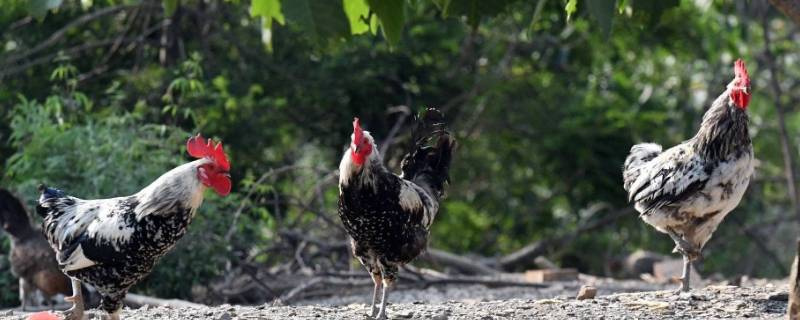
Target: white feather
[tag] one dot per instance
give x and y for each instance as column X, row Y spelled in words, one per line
column 77, row 260
column 178, row 185
column 409, row 196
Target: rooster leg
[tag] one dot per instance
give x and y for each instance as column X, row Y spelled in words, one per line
column 389, row 274
column 687, row 268
column 689, row 252
column 683, row 246
column 114, row 315
column 23, row 294
column 387, row 284
column 76, row 312
column 377, row 279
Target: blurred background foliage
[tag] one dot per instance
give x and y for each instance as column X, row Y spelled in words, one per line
column 545, row 97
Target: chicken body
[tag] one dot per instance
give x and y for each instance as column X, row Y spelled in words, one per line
column 687, row 190
column 388, row 216
column 32, row 259
column 114, row 243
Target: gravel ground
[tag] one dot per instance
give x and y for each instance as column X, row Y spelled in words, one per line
column 615, row 299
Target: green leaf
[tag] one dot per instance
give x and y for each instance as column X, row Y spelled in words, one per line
column 571, row 7
column 391, row 14
column 269, row 10
column 39, row 8
column 357, row 12
column 603, row 12
column 323, row 19
column 170, row 6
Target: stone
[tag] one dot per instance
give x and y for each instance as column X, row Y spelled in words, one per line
column 586, row 292
column 779, row 296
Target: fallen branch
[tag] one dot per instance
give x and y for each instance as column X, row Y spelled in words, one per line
column 529, row 252
column 462, row 264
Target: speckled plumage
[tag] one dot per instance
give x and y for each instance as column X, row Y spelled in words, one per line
column 388, row 216
column 114, row 243
column 686, row 191
column 690, row 188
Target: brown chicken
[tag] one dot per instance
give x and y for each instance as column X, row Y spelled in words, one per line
column 32, row 259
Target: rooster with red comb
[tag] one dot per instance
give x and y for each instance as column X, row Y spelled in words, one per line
column 114, row 243
column 389, row 217
column 686, row 191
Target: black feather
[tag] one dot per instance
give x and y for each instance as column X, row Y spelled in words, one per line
column 428, row 162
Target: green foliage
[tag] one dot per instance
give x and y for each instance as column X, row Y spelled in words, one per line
column 322, row 19
column 603, row 12
column 100, row 153
column 170, row 6
column 391, row 14
column 571, row 7
column 358, row 15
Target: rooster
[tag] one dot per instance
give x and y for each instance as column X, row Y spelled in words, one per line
column 388, row 216
column 687, row 190
column 32, row 259
column 114, row 243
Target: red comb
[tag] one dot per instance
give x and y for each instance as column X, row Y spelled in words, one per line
column 198, row 149
column 740, row 70
column 358, row 133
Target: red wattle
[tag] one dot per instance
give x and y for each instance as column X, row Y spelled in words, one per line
column 221, row 184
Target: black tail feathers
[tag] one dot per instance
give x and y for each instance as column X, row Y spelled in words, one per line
column 12, row 212
column 47, row 193
column 432, row 148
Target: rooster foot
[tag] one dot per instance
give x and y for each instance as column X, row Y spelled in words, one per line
column 76, row 312
column 72, row 314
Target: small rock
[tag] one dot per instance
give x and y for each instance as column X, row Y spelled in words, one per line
column 779, row 296
column 586, row 292
column 225, row 316
column 404, row 314
column 8, row 313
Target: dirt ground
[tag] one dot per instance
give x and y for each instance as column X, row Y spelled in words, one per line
column 616, row 299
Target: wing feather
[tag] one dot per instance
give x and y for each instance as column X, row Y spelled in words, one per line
column 670, row 178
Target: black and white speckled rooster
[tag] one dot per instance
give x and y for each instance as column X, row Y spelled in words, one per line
column 388, row 216
column 688, row 189
column 114, row 243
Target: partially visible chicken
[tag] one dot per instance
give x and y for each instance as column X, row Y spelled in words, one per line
column 32, row 259
column 688, row 189
column 114, row 243
column 387, row 216
column 793, row 309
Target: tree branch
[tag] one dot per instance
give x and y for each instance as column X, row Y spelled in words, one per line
column 58, row 35
column 790, row 8
column 788, row 162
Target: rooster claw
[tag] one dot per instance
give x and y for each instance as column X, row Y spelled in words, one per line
column 71, row 315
